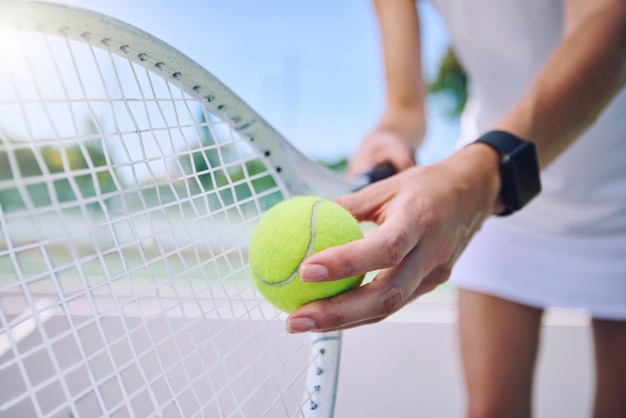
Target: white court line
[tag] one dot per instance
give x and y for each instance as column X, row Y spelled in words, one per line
column 440, row 307
column 26, row 328
column 244, row 308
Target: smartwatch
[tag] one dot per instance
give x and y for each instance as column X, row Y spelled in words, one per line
column 519, row 169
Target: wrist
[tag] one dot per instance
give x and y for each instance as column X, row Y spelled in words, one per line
column 477, row 167
column 518, row 169
column 409, row 122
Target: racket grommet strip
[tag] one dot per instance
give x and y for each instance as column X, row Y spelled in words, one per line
column 160, row 187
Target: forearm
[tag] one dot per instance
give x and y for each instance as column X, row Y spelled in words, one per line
column 400, row 33
column 575, row 85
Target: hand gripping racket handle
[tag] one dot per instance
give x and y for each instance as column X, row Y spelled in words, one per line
column 377, row 173
column 326, row 347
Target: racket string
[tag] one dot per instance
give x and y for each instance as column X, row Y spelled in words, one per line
column 136, row 205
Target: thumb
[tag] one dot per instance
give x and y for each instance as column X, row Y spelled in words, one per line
column 367, row 204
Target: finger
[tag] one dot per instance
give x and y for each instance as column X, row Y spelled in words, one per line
column 339, row 313
column 369, row 303
column 298, row 325
column 404, row 161
column 400, row 162
column 357, row 167
column 427, row 285
column 385, row 247
column 379, row 172
column 368, row 203
column 389, row 291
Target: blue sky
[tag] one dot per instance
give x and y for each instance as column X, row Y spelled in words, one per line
column 311, row 68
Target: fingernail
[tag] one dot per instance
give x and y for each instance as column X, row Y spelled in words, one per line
column 313, row 273
column 298, row 325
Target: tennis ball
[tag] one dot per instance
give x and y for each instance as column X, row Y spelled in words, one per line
column 289, row 233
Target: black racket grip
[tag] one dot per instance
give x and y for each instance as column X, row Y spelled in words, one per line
column 377, row 173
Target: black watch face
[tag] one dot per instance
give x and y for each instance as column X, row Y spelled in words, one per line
column 519, row 169
column 524, row 163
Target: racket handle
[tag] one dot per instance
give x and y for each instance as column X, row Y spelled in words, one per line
column 377, row 173
column 380, row 172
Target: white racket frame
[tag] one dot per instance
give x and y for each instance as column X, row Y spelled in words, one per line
column 299, row 174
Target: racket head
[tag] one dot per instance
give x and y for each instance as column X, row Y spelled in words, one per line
column 130, row 181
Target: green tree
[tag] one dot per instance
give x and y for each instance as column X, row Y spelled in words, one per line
column 222, row 175
column 87, row 173
column 451, row 82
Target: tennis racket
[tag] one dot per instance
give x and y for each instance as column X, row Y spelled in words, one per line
column 130, row 182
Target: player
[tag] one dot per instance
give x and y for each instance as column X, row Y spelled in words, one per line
column 546, row 83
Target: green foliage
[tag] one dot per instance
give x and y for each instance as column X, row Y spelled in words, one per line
column 86, row 162
column 451, row 82
column 223, row 177
column 338, row 165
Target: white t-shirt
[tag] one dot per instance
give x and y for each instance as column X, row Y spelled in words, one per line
column 568, row 246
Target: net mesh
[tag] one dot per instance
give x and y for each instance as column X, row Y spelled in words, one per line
column 125, row 211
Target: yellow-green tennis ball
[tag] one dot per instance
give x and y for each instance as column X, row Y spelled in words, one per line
column 289, row 233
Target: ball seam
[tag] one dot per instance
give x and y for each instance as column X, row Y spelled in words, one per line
column 307, row 253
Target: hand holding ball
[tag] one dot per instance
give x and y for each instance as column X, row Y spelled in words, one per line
column 286, row 235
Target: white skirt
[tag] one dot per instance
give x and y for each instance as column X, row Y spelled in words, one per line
column 543, row 270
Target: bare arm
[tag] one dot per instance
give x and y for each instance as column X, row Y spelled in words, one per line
column 427, row 215
column 400, row 32
column 401, row 128
column 578, row 81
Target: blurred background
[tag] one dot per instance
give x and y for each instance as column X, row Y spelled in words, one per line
column 313, row 69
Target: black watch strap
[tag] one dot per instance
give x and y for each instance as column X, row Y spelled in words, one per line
column 519, row 169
